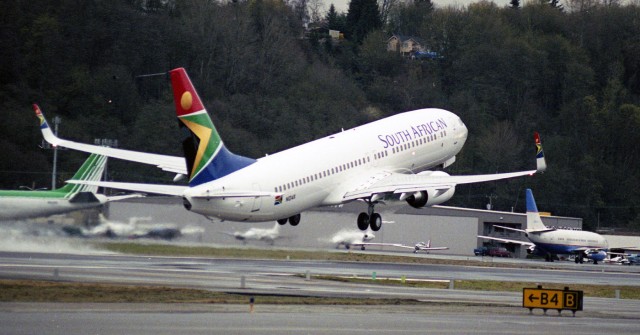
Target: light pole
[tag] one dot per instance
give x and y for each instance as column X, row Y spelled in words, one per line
column 56, row 121
column 106, row 142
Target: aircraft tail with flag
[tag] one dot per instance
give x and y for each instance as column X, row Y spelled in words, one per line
column 206, row 155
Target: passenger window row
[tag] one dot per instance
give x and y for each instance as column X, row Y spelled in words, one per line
column 323, row 174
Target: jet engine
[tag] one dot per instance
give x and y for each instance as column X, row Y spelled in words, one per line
column 432, row 196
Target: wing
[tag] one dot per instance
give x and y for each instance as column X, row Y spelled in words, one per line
column 506, row 240
column 398, row 245
column 432, row 187
column 173, row 164
column 367, row 244
column 431, row 248
column 636, row 249
column 439, row 182
column 123, row 197
column 174, row 190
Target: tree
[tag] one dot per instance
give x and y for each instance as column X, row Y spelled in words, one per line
column 363, row 17
column 408, row 18
column 336, row 21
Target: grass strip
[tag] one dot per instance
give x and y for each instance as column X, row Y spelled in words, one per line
column 601, row 291
column 204, row 251
column 48, row 291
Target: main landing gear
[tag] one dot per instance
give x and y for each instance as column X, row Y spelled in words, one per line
column 370, row 219
column 293, row 220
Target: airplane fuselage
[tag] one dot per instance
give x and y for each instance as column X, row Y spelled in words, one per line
column 16, row 205
column 567, row 241
column 319, row 173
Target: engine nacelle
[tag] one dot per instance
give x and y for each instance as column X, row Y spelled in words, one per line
column 430, row 197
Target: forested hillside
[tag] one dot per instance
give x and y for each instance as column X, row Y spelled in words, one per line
column 571, row 72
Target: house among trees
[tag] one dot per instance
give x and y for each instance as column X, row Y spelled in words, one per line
column 406, row 45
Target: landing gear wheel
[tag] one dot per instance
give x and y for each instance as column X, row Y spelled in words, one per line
column 282, row 222
column 294, row 220
column 375, row 221
column 363, row 221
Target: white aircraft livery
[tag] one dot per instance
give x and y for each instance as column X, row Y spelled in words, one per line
column 549, row 242
column 388, row 157
column 23, row 204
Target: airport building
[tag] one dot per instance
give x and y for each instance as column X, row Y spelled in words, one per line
column 456, row 228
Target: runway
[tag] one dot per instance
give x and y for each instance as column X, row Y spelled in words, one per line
column 279, row 277
column 39, row 252
column 235, row 319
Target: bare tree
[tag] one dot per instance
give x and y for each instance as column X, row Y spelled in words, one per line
column 316, row 9
column 580, row 5
column 385, row 7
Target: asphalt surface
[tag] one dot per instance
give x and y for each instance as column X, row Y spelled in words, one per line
column 39, row 252
column 448, row 310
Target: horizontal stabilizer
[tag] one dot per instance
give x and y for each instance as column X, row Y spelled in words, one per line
column 84, row 198
column 136, row 187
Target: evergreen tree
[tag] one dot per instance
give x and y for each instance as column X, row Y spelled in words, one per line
column 332, row 17
column 515, row 3
column 363, row 17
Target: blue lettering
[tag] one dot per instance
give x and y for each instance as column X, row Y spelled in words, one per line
column 416, row 134
column 407, row 135
column 391, row 140
column 442, row 123
column 386, row 144
column 428, row 128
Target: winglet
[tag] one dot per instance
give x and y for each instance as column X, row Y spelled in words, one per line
column 541, row 164
column 48, row 135
column 43, row 122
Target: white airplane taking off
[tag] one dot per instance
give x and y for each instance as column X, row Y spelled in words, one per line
column 387, row 157
column 549, row 242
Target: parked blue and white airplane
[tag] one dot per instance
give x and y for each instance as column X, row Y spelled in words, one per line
column 391, row 156
column 549, row 242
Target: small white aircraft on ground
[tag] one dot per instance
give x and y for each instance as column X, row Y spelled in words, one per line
column 420, row 246
column 269, row 235
column 349, row 238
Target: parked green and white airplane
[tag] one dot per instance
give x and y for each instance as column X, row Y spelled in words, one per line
column 22, row 204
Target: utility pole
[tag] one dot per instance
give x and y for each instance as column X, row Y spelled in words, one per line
column 490, row 204
column 56, row 121
column 106, row 142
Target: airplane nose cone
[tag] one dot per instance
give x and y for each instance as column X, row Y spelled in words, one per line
column 461, row 132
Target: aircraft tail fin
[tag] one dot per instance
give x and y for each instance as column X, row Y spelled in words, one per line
column 206, row 155
column 534, row 222
column 91, row 170
column 541, row 163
